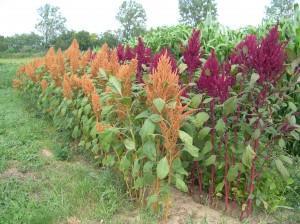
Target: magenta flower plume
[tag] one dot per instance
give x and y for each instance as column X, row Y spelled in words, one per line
column 266, row 58
column 143, row 55
column 129, row 53
column 244, row 53
column 191, row 55
column 214, row 84
column 156, row 57
column 269, row 58
column 121, row 53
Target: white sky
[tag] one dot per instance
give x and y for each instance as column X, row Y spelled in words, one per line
column 20, row 16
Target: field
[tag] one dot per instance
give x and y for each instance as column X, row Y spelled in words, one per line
column 179, row 126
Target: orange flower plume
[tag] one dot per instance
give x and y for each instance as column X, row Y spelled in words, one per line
column 163, row 82
column 67, row 89
column 73, row 54
column 125, row 74
column 87, row 85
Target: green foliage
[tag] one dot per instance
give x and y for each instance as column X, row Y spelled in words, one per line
column 109, row 37
column 132, row 18
column 28, row 43
column 192, row 12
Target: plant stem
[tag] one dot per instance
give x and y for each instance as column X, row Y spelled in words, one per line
column 212, row 139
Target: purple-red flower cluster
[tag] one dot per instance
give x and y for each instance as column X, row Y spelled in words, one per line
column 191, row 55
column 214, row 82
column 269, row 58
column 156, row 57
column 125, row 54
column 244, row 52
column 266, row 58
column 143, row 55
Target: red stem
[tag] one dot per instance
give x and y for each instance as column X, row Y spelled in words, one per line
column 226, row 184
column 199, row 171
column 212, row 139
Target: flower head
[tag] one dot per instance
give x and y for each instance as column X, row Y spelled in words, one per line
column 121, row 53
column 244, row 53
column 157, row 56
column 143, row 55
column 212, row 82
column 270, row 56
column 191, row 55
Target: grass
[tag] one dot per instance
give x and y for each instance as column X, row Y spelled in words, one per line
column 55, row 187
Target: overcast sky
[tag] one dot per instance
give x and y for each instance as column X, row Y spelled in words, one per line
column 20, row 16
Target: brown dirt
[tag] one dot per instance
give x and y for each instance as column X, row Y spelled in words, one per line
column 47, row 153
column 13, row 172
column 185, row 208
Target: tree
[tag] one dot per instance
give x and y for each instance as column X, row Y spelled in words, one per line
column 84, row 40
column 51, row 23
column 110, row 38
column 24, row 43
column 64, row 40
column 279, row 9
column 193, row 12
column 3, row 44
column 132, row 17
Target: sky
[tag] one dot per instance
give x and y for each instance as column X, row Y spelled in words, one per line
column 96, row 16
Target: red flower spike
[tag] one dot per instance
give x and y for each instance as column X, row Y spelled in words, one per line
column 191, row 55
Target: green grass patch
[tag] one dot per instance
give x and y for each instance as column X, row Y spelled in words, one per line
column 36, row 188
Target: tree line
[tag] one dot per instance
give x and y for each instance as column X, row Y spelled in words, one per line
column 132, row 18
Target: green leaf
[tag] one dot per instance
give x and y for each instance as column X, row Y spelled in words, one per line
column 207, row 100
column 201, row 118
column 148, row 167
column 281, row 168
column 155, row 118
column 144, row 114
column 248, row 156
column 210, row 161
column 152, row 199
column 124, row 164
column 206, row 149
column 286, row 159
column 129, row 144
column 180, row 184
column 182, row 67
column 76, row 132
column 185, row 137
column 256, row 134
column 115, row 84
column 149, row 150
column 230, row 105
column 177, row 167
column 162, row 168
column 204, row 132
column 196, row 100
column 233, row 173
column 281, row 143
column 192, row 150
column 159, row 104
column 220, row 186
column 109, row 161
column 136, row 168
column 220, row 126
column 147, row 129
column 254, row 78
column 292, row 106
